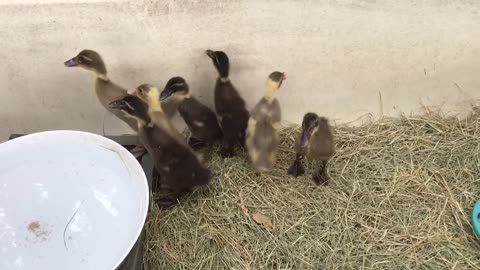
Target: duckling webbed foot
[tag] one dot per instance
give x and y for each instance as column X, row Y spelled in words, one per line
column 165, row 203
column 227, row 151
column 167, row 200
column 296, row 169
column 321, row 177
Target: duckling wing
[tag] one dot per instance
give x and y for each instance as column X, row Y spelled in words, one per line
column 322, row 147
column 200, row 119
column 185, row 170
column 194, row 112
column 107, row 92
column 298, row 148
column 173, row 160
column 259, row 110
column 233, row 116
column 227, row 99
column 132, row 123
column 264, row 136
column 276, row 111
column 268, row 110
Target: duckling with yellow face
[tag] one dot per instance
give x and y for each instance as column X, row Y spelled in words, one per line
column 105, row 89
column 201, row 120
column 150, row 95
column 316, row 142
column 262, row 134
column 229, row 105
column 175, row 162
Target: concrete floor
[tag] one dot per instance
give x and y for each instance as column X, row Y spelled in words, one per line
column 340, row 56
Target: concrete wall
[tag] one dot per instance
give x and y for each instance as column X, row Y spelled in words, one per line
column 339, row 55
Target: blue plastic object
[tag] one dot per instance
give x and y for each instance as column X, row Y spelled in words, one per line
column 476, row 218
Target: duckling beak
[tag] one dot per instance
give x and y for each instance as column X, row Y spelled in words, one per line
column 72, row 62
column 165, row 94
column 210, row 53
column 284, row 77
column 304, row 139
column 132, row 91
column 117, row 104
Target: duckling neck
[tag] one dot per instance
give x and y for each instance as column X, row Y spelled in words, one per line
column 269, row 93
column 180, row 98
column 223, row 72
column 154, row 104
column 103, row 77
column 101, row 71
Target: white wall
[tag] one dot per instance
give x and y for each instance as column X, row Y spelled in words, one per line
column 339, row 55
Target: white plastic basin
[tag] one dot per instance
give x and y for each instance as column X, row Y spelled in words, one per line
column 69, row 200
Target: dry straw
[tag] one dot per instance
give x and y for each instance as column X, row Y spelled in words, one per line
column 400, row 197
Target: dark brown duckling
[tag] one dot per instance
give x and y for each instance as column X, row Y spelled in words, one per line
column 177, row 165
column 229, row 105
column 262, row 134
column 105, row 89
column 316, row 143
column 201, row 120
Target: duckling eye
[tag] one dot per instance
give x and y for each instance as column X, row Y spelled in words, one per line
column 177, row 85
column 130, row 107
column 215, row 59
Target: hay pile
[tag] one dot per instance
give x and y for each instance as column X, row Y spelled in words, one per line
column 400, row 198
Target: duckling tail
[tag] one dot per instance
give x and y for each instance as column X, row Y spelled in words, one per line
column 263, row 165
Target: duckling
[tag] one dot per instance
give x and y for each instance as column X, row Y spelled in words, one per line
column 106, row 90
column 200, row 119
column 262, row 136
column 150, row 95
column 229, row 105
column 177, row 165
column 316, row 143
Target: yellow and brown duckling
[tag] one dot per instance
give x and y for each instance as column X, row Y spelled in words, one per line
column 229, row 106
column 150, row 95
column 317, row 144
column 201, row 120
column 262, row 134
column 106, row 90
column 177, row 165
